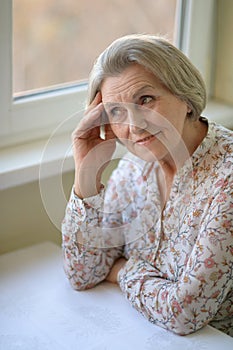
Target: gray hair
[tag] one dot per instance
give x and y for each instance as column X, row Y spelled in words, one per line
column 168, row 64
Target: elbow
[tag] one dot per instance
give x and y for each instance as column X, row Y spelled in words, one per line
column 79, row 286
column 75, row 280
column 78, row 282
column 186, row 319
column 181, row 330
column 183, row 325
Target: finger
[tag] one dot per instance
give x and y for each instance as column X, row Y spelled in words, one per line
column 97, row 100
column 90, row 121
column 109, row 134
column 93, row 117
column 91, row 113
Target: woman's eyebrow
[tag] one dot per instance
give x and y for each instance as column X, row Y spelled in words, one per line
column 111, row 105
column 135, row 95
column 141, row 91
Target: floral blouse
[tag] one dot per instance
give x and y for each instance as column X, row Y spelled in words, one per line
column 179, row 269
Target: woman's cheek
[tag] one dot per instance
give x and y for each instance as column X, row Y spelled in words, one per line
column 119, row 130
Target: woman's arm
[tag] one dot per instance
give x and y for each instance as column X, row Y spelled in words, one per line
column 87, row 262
column 191, row 302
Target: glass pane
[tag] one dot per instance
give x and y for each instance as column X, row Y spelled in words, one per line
column 57, row 41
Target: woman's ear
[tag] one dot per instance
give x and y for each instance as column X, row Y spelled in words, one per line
column 189, row 109
column 190, row 112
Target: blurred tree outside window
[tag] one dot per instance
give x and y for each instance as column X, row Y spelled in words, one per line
column 55, row 42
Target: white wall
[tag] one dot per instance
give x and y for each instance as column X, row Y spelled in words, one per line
column 23, row 219
column 224, row 52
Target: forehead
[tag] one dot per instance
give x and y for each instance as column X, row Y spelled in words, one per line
column 134, row 79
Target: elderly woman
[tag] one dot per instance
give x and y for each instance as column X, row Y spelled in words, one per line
column 162, row 228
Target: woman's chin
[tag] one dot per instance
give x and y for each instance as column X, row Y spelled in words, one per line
column 145, row 154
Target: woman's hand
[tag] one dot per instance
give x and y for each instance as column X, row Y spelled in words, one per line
column 91, row 152
column 112, row 276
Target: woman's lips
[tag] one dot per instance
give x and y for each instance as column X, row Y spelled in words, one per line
column 147, row 139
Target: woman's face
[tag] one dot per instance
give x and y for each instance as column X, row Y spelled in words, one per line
column 143, row 114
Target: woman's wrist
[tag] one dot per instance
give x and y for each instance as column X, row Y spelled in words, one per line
column 87, row 184
column 87, row 194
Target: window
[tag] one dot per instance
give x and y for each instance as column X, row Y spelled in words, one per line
column 38, row 107
column 57, row 42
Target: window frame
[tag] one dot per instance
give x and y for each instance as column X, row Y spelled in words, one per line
column 189, row 32
column 51, row 108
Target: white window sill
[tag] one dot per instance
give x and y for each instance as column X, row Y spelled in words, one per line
column 26, row 163
column 22, row 164
column 38, row 160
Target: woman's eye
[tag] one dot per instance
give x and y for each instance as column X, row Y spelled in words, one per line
column 118, row 112
column 146, row 99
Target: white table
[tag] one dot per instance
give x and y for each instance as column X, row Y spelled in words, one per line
column 40, row 311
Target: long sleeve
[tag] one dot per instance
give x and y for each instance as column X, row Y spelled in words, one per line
column 204, row 291
column 102, row 221
column 89, row 265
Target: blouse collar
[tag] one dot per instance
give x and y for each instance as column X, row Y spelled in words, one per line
column 206, row 144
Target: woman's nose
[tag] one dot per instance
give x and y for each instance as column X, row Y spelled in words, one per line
column 137, row 123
